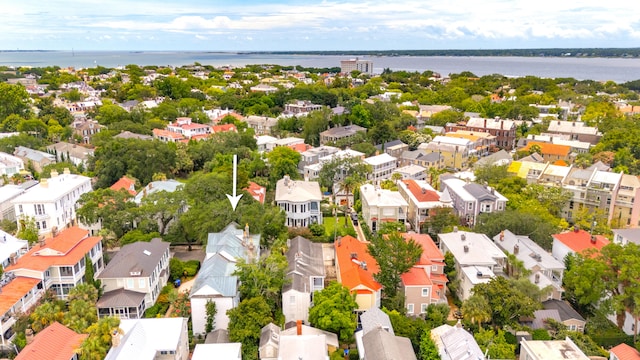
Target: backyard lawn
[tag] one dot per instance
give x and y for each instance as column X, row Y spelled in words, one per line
column 330, row 224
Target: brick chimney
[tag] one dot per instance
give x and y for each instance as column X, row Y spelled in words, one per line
column 299, row 327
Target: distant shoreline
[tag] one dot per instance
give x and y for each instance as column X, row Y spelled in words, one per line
column 542, row 52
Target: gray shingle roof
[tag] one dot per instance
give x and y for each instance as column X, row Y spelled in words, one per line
column 120, row 297
column 479, row 192
column 305, row 260
column 218, row 336
column 539, row 317
column 140, row 257
column 564, row 309
column 373, row 318
column 382, row 345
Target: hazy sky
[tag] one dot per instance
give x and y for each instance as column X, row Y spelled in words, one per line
column 228, row 25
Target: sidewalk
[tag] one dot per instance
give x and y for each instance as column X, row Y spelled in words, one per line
column 361, row 236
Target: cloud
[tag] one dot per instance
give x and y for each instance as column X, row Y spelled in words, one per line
column 341, row 22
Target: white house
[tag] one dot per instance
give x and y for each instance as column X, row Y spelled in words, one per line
column 215, row 280
column 220, row 351
column 10, row 192
column 188, row 129
column 10, row 164
column 413, row 172
column 11, row 249
column 170, row 185
column 60, row 262
column 550, row 350
column 454, row 342
column 300, row 200
column 545, row 269
column 150, row 339
column 134, row 278
column 625, row 236
column 71, row 152
column 305, row 274
column 477, row 258
column 52, row 203
column 381, row 205
column 382, row 166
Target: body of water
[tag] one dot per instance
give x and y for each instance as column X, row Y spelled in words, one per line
column 599, row 69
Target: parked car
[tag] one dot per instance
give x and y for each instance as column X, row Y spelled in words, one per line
column 354, row 218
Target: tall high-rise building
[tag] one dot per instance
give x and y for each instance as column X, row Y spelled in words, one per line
column 364, row 66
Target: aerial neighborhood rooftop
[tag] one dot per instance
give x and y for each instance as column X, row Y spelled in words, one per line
column 281, row 212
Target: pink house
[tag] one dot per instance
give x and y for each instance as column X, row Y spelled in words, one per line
column 425, row 283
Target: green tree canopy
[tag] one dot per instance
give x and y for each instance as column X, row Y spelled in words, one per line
column 245, row 323
column 332, row 311
column 508, row 304
column 395, row 256
column 283, row 161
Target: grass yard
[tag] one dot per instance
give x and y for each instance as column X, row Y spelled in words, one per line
column 330, row 226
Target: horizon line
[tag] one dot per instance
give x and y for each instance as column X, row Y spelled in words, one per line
column 326, row 50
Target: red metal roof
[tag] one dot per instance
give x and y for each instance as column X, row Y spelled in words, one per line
column 625, row 352
column 55, row 342
column 580, row 240
column 422, row 195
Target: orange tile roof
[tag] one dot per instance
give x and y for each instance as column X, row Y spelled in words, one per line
column 353, row 275
column 224, row 128
column 549, row 149
column 124, row 183
column 199, row 137
column 66, row 249
column 55, row 342
column 300, row 147
column 15, row 290
column 430, row 252
column 580, row 240
column 416, row 277
column 256, row 191
column 560, row 163
column 625, row 352
column 416, row 190
column 167, row 134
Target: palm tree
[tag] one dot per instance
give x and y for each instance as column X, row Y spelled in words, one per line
column 81, row 315
column 434, row 176
column 348, row 184
column 46, row 314
column 476, row 309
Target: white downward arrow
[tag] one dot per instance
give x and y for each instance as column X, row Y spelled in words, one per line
column 234, row 199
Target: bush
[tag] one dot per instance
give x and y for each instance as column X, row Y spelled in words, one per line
column 190, row 268
column 176, row 268
column 157, row 310
column 540, row 334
